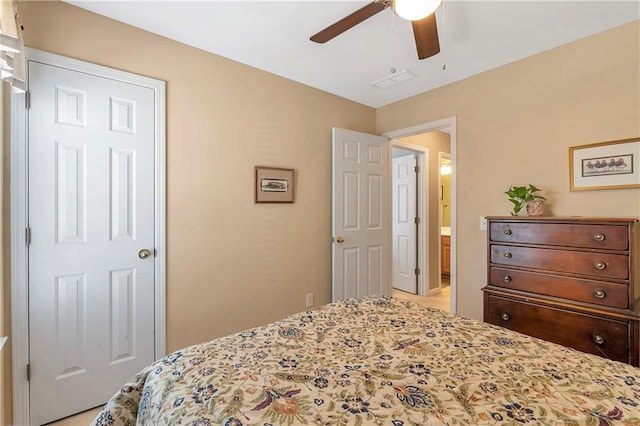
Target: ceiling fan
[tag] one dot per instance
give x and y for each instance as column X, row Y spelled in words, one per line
column 421, row 13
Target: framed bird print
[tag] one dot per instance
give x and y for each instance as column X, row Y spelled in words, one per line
column 605, row 165
column 274, row 185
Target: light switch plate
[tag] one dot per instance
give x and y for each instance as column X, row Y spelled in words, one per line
column 483, row 223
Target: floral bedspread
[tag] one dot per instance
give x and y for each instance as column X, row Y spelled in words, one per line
column 378, row 361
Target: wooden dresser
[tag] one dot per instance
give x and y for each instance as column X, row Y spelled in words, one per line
column 572, row 281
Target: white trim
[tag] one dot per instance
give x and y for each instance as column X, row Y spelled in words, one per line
column 422, row 160
column 19, row 217
column 19, row 263
column 442, row 124
column 445, row 123
column 160, row 219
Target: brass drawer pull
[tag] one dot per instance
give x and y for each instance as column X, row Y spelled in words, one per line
column 600, row 265
column 508, row 256
column 507, row 278
column 599, row 294
column 598, row 339
column 505, row 316
column 599, row 237
column 507, row 232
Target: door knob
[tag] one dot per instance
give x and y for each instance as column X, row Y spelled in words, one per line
column 340, row 239
column 144, row 253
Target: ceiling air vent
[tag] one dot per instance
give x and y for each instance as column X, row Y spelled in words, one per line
column 393, row 79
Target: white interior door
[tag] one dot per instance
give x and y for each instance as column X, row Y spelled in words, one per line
column 360, row 215
column 91, row 212
column 404, row 239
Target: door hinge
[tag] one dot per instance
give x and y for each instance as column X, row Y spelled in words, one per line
column 417, row 271
column 416, row 169
column 417, row 220
column 28, row 372
column 27, row 100
column 27, row 236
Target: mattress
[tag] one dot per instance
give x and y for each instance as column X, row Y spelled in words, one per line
column 378, row 360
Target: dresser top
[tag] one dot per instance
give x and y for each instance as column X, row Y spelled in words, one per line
column 564, row 219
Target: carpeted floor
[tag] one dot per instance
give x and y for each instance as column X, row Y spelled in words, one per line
column 85, row 418
column 440, row 301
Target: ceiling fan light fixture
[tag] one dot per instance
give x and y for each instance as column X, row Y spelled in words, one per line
column 415, row 10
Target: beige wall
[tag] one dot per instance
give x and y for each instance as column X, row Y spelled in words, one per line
column 436, row 142
column 515, row 125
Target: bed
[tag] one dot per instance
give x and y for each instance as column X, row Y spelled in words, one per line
column 378, row 360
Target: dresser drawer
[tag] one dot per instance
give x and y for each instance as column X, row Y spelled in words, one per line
column 597, row 292
column 606, row 337
column 600, row 265
column 610, row 237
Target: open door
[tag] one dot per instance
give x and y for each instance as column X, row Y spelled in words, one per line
column 360, row 217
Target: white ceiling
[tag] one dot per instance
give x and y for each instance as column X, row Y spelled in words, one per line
column 475, row 36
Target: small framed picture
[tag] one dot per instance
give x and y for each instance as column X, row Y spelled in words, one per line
column 605, row 165
column 274, row 185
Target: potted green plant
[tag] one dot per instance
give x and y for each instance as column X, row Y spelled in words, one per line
column 522, row 196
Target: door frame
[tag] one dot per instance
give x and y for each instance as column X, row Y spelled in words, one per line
column 422, row 237
column 20, row 210
column 445, row 123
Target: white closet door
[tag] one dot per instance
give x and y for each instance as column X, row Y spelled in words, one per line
column 91, row 212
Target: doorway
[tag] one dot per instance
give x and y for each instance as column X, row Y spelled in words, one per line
column 444, row 219
column 439, row 138
column 361, row 261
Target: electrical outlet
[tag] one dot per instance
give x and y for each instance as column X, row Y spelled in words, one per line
column 483, row 223
column 309, row 300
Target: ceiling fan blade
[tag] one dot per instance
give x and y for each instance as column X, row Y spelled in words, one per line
column 425, row 32
column 350, row 21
